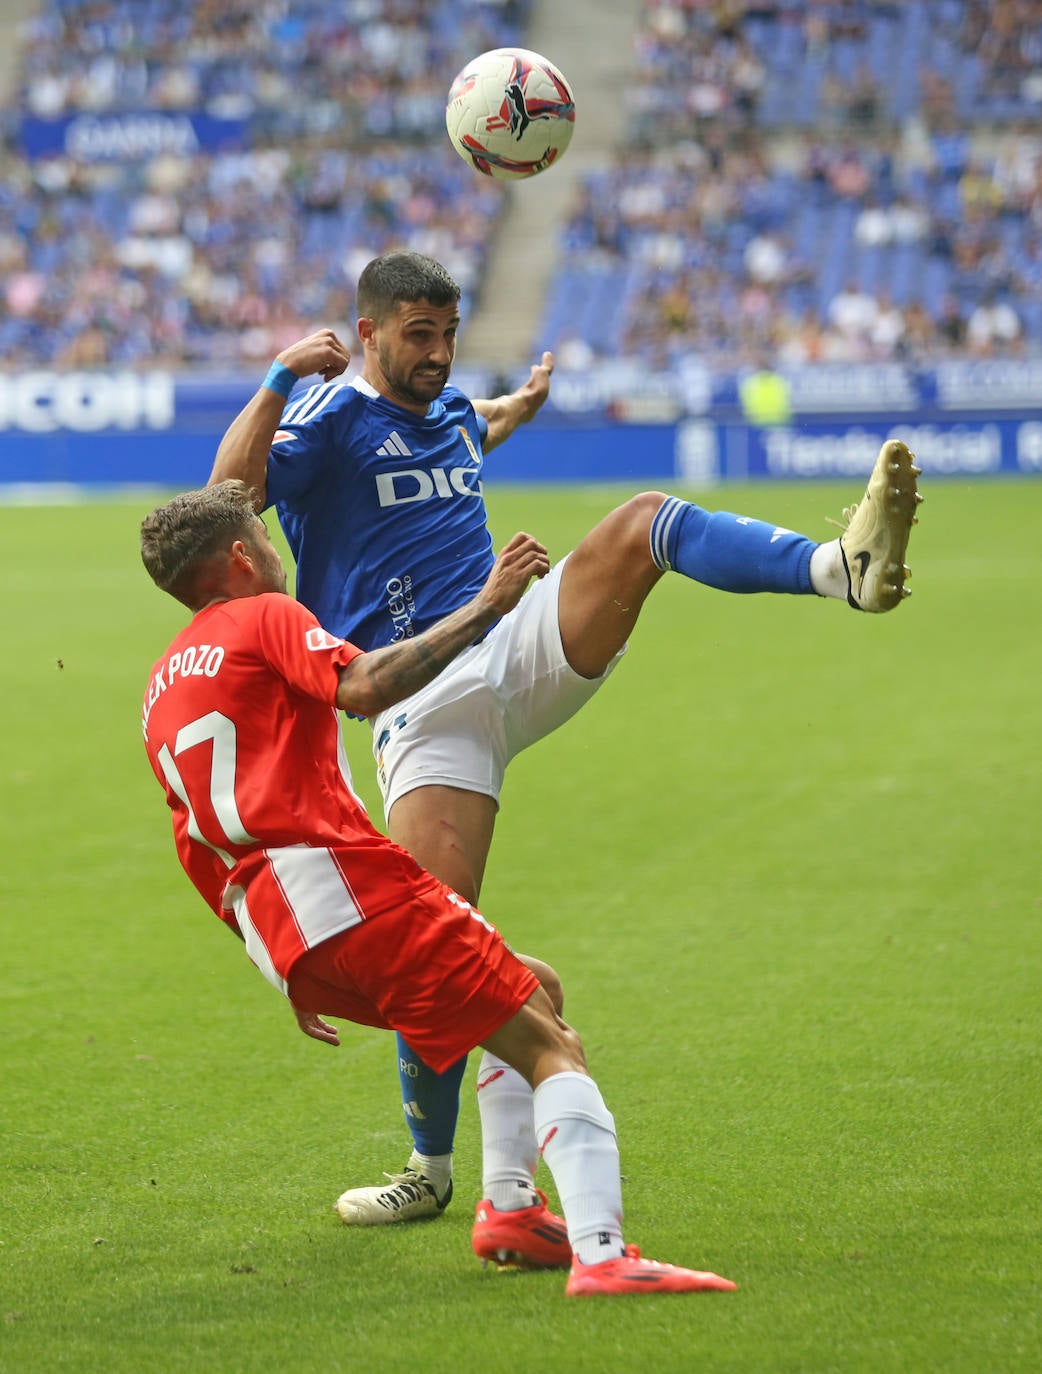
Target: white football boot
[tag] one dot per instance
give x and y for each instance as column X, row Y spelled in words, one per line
column 407, row 1196
column 876, row 532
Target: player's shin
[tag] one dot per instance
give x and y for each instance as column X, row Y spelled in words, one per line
column 431, row 1104
column 509, row 1155
column 576, row 1137
column 733, row 553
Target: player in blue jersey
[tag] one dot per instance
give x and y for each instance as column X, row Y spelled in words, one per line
column 377, row 485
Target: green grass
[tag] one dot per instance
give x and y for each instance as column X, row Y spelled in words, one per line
column 787, row 865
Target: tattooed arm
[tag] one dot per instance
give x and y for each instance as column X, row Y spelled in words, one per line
column 372, row 682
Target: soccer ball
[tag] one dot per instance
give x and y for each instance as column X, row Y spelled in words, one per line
column 510, row 113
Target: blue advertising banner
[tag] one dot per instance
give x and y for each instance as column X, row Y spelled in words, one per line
column 691, row 388
column 90, row 429
column 817, row 448
column 130, row 136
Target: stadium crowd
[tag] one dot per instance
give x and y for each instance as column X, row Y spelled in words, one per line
column 850, row 254
column 814, row 179
column 216, row 259
column 844, row 180
column 219, row 258
column 361, row 68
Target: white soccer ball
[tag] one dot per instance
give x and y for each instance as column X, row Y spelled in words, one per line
column 510, row 113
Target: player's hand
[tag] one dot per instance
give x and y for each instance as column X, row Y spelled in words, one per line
column 519, row 561
column 312, row 1024
column 535, row 391
column 322, row 353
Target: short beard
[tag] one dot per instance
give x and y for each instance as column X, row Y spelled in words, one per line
column 403, row 389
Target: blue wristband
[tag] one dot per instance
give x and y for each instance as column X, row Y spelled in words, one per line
column 280, row 379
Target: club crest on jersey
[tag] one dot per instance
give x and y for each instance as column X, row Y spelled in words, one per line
column 469, row 443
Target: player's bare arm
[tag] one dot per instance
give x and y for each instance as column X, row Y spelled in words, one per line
column 372, row 682
column 505, row 413
column 243, row 451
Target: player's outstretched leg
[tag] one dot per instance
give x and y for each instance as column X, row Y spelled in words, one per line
column 865, row 566
column 873, row 544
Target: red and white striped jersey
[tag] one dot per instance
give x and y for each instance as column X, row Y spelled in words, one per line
column 242, row 731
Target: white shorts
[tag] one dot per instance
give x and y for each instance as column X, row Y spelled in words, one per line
column 494, row 700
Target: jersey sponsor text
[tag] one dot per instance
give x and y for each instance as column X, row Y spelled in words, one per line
column 416, row 484
column 401, row 606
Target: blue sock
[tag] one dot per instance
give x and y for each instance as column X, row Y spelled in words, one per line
column 730, row 552
column 430, row 1101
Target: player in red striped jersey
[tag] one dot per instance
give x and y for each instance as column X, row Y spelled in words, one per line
column 241, row 729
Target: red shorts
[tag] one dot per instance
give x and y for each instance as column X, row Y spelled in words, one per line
column 431, row 968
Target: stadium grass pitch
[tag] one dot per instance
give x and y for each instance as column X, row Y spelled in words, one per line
column 787, row 866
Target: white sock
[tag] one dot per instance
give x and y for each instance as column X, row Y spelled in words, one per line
column 509, row 1156
column 828, row 577
column 436, row 1168
column 576, row 1135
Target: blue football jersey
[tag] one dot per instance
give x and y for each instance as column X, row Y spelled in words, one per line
column 383, row 509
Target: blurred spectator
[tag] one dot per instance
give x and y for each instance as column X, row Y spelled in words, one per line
column 900, row 222
column 764, row 395
column 887, row 329
column 573, row 353
column 748, row 75
column 919, row 340
column 847, row 173
column 864, row 100
column 992, row 324
column 909, row 220
column 1018, row 164
column 951, row 324
column 979, row 192
column 873, row 225
column 802, row 340
column 765, row 259
column 853, row 312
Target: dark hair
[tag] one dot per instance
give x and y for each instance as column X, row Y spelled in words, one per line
column 402, row 276
column 178, row 537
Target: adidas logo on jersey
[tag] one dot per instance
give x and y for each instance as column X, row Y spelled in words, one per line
column 394, row 446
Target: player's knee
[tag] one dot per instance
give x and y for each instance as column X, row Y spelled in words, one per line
column 636, row 516
column 554, row 989
column 575, row 1044
column 570, row 1049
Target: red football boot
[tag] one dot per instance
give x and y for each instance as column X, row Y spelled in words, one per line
column 630, row 1273
column 530, row 1238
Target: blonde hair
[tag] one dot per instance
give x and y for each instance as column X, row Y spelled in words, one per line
column 178, row 538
